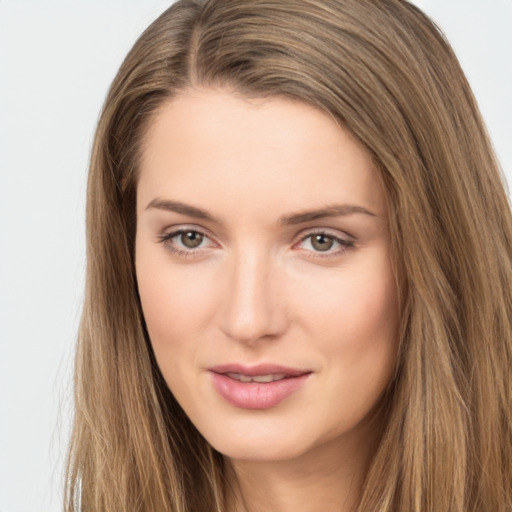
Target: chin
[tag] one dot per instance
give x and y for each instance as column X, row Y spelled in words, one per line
column 260, row 451
column 262, row 442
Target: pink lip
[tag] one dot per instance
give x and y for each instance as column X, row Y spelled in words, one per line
column 256, row 395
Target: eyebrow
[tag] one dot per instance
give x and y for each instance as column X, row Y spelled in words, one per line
column 337, row 210
column 183, row 208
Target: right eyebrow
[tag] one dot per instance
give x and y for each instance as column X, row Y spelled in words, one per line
column 182, row 208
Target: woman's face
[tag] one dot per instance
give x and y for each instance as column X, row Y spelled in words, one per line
column 263, row 266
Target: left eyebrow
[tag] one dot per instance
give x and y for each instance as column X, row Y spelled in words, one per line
column 338, row 210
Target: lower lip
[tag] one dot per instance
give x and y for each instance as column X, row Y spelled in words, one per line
column 256, row 395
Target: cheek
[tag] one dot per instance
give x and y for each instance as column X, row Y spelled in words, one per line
column 370, row 312
column 354, row 322
column 356, row 331
column 176, row 301
column 352, row 305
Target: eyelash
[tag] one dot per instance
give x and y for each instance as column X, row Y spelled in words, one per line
column 166, row 239
column 344, row 244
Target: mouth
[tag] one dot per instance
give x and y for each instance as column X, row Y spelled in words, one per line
column 271, row 377
column 257, row 387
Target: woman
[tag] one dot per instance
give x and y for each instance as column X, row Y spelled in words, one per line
column 299, row 284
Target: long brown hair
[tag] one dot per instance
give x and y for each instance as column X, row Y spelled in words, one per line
column 387, row 74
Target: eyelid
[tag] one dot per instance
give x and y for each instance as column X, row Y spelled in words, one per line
column 331, row 232
column 334, row 232
column 180, row 228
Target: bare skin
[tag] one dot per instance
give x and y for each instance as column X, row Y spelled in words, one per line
column 315, row 482
column 262, row 259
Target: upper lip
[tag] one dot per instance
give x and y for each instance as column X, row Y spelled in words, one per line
column 260, row 369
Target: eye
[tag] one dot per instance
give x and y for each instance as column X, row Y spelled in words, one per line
column 321, row 242
column 190, row 239
column 186, row 241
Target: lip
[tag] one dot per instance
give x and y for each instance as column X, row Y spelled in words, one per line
column 257, row 395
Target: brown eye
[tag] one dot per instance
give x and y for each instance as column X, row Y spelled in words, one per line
column 322, row 242
column 191, row 239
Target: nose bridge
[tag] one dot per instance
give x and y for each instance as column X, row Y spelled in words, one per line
column 251, row 310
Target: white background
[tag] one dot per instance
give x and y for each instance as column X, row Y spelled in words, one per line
column 57, row 59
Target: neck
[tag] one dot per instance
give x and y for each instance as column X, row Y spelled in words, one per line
column 328, row 478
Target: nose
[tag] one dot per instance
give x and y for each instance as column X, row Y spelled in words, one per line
column 253, row 307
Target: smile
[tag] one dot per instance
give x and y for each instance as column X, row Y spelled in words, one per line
column 257, row 378
column 260, row 387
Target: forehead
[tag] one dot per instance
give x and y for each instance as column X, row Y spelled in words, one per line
column 226, row 151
